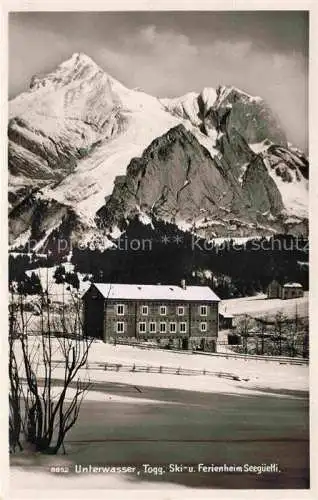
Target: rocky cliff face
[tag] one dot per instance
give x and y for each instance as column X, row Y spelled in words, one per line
column 87, row 152
column 234, row 110
column 177, row 180
column 247, row 185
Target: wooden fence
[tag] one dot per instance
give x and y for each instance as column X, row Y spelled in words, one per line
column 168, row 370
column 277, row 359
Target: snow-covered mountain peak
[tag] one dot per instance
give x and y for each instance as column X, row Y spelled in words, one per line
column 195, row 106
column 78, row 80
column 226, row 93
column 78, row 67
column 78, row 58
column 192, row 106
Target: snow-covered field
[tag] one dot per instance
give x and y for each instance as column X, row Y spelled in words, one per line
column 76, row 487
column 260, row 305
column 260, row 374
column 124, row 389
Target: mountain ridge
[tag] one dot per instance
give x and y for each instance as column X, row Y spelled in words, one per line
column 78, row 129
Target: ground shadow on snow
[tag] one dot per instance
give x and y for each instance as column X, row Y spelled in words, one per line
column 188, row 428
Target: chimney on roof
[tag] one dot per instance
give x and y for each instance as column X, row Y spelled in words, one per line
column 183, row 284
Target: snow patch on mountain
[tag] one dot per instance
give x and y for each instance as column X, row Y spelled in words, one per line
column 207, row 141
column 41, row 242
column 260, row 147
column 183, row 225
column 191, row 106
column 240, row 240
column 208, row 96
column 145, row 219
column 224, row 92
column 242, row 172
column 184, row 107
column 294, row 193
column 86, row 188
column 22, row 239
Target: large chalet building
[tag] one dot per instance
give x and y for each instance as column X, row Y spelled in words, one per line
column 184, row 317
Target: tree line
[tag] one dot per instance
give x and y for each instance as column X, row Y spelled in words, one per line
column 231, row 269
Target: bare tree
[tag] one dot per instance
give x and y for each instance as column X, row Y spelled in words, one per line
column 243, row 329
column 297, row 337
column 280, row 327
column 36, row 411
column 15, row 421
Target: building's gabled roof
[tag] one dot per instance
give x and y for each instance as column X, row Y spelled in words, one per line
column 292, row 285
column 226, row 315
column 223, row 311
column 285, row 285
column 156, row 292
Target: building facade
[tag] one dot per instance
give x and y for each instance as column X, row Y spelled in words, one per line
column 276, row 290
column 185, row 317
column 292, row 291
column 225, row 320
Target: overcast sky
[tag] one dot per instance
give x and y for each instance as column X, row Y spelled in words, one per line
column 169, row 54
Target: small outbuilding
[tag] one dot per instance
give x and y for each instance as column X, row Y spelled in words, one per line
column 292, row 291
column 225, row 320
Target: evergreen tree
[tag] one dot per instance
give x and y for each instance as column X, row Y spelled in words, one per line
column 72, row 279
column 59, row 274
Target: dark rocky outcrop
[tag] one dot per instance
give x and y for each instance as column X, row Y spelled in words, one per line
column 250, row 116
column 177, row 179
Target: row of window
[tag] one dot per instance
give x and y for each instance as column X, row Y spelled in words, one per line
column 152, row 327
column 144, row 310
